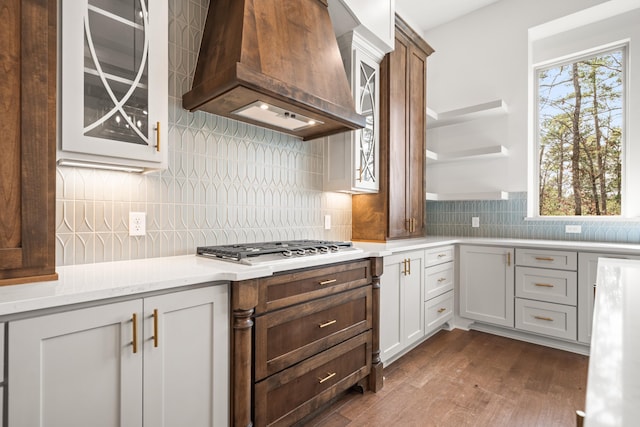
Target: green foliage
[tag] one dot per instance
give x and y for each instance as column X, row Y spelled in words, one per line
column 585, row 121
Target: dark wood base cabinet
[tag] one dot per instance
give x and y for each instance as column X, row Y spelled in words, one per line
column 302, row 337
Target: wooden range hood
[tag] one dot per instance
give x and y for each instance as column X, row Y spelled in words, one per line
column 278, row 58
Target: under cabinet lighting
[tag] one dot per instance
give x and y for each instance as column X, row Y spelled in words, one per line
column 275, row 116
column 102, row 166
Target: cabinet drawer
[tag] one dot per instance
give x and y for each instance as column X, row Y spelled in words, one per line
column 439, row 279
column 563, row 260
column 286, row 397
column 546, row 318
column 439, row 255
column 287, row 336
column 547, row 285
column 291, row 288
column 438, row 311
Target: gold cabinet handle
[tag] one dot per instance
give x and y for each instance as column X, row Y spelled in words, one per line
column 155, row 327
column 442, row 309
column 328, row 377
column 442, row 255
column 542, row 258
column 134, row 320
column 158, row 136
column 508, row 259
column 548, row 319
column 325, row 324
column 544, row 285
column 360, row 174
column 409, row 262
column 442, row 279
column 404, row 267
column 327, row 282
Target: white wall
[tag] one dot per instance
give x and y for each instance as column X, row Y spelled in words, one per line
column 480, row 57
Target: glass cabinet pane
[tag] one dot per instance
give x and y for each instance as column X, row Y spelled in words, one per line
column 116, row 100
column 367, row 150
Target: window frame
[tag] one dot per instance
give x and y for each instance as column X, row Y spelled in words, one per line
column 533, row 211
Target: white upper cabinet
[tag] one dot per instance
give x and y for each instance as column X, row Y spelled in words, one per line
column 374, row 19
column 114, row 83
column 351, row 159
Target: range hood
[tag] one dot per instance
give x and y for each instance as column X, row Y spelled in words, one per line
column 275, row 64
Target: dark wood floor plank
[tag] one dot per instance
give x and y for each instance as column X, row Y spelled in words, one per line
column 469, row 378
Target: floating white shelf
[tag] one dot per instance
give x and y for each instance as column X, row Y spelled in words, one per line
column 482, row 153
column 491, row 195
column 487, row 109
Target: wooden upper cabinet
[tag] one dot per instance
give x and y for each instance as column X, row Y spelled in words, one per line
column 397, row 211
column 28, row 143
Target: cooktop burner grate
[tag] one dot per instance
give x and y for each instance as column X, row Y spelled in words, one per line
column 287, row 249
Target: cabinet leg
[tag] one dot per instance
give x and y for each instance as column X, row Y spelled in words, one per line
column 375, row 377
column 242, row 383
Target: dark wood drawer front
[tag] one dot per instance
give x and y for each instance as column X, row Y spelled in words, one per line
column 292, row 288
column 290, row 395
column 287, row 336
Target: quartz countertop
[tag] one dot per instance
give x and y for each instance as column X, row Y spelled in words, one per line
column 613, row 384
column 92, row 282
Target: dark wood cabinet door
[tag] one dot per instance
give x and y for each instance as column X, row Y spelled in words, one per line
column 28, row 142
column 416, row 134
column 397, row 137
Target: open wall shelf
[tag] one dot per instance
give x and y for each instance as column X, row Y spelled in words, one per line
column 483, row 153
column 487, row 109
column 491, row 195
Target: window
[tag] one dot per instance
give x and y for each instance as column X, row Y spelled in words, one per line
column 580, row 128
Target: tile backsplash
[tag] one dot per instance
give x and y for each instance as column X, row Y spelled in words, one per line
column 226, row 182
column 506, row 219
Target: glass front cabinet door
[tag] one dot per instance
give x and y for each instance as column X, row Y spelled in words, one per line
column 114, row 84
column 351, row 159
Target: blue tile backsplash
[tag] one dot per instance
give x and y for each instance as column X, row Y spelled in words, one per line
column 506, row 219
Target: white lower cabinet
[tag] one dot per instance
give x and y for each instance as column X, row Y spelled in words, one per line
column 155, row 361
column 546, row 318
column 587, row 271
column 487, row 284
column 401, row 303
column 438, row 311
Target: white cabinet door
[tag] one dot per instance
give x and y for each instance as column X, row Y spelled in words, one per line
column 401, row 303
column 351, row 159
column 186, row 374
column 587, row 271
column 114, row 82
column 77, row 368
column 487, row 284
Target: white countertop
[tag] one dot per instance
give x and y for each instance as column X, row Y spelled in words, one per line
column 613, row 385
column 92, row 282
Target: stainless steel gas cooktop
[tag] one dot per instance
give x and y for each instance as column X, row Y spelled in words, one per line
column 273, row 252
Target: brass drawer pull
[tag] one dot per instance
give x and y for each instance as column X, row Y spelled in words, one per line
column 158, row 136
column 134, row 320
column 325, row 324
column 540, row 258
column 548, row 319
column 328, row 282
column 155, row 327
column 409, row 264
column 442, row 255
column 442, row 279
column 404, row 267
column 508, row 259
column 440, row 310
column 328, row 377
column 544, row 285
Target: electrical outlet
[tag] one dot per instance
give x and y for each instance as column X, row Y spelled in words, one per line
column 573, row 229
column 327, row 222
column 137, row 223
column 475, row 221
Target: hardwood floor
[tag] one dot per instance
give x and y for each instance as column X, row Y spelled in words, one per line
column 469, row 378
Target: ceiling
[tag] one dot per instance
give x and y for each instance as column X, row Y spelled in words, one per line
column 427, row 14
